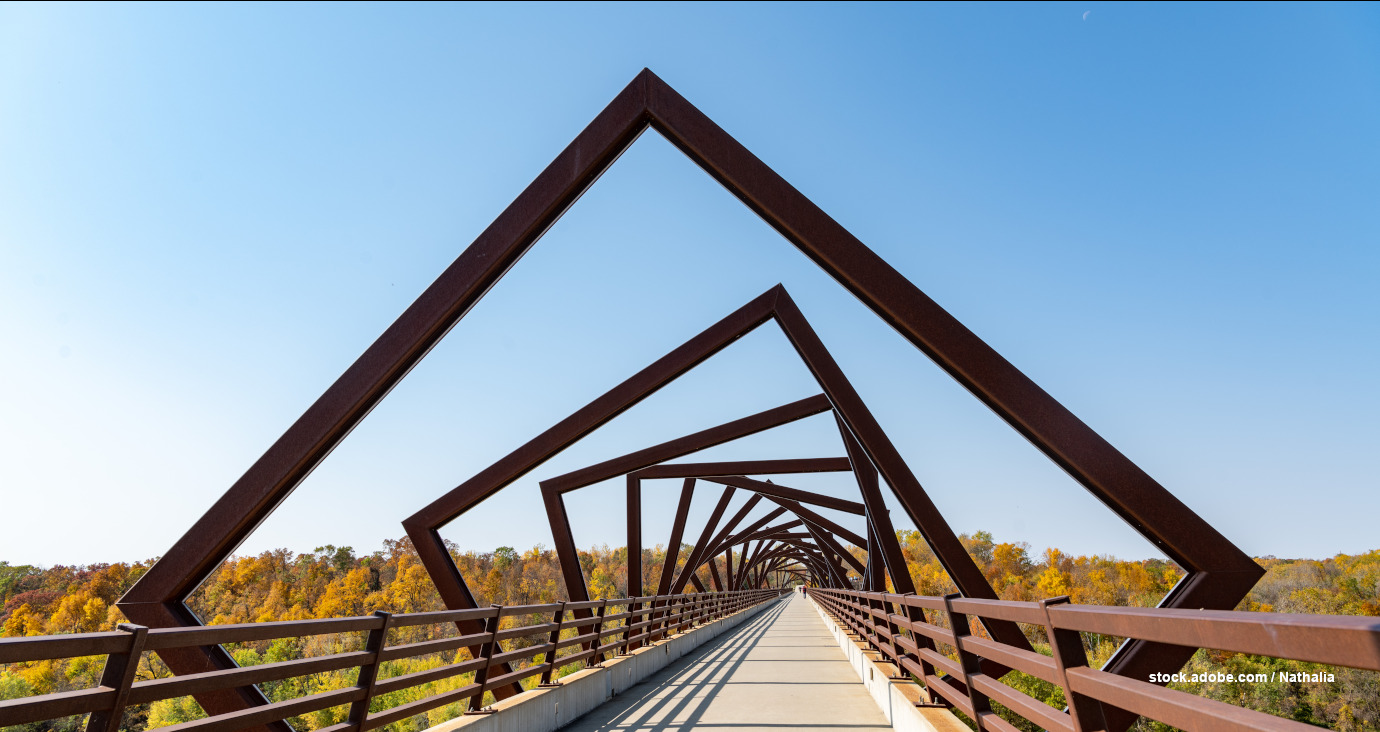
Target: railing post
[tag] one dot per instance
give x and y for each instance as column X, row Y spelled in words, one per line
column 628, row 646
column 653, row 616
column 118, row 674
column 897, row 652
column 369, row 673
column 922, row 641
column 1086, row 712
column 487, row 652
column 874, row 623
column 597, row 658
column 971, row 662
column 559, row 620
column 664, row 603
column 666, row 627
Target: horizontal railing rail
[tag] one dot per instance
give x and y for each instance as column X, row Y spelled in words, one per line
column 897, row 627
column 592, row 628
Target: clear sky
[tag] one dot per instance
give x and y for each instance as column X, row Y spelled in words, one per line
column 1167, row 215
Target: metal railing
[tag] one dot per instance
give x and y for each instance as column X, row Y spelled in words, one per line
column 643, row 620
column 897, row 627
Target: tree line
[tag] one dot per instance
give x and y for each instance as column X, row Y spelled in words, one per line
column 335, row 581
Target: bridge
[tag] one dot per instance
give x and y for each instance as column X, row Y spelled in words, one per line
column 824, row 658
column 789, row 619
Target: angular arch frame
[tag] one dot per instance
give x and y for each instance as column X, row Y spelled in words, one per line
column 1219, row 574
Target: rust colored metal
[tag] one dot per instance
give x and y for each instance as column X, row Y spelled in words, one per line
column 677, row 529
column 1091, row 694
column 1220, row 574
column 681, row 470
column 119, row 688
column 776, row 305
column 728, row 470
column 696, row 557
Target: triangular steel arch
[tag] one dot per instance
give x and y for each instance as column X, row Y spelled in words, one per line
column 1220, row 574
column 847, row 406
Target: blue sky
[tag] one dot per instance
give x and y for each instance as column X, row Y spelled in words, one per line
column 1164, row 214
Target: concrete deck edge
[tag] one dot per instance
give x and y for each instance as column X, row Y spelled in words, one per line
column 549, row 709
column 896, row 698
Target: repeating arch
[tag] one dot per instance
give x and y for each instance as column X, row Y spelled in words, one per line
column 1219, row 574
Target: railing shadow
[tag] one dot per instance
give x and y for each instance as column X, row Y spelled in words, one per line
column 689, row 686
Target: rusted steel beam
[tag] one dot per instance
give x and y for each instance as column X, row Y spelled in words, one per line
column 718, row 541
column 804, row 513
column 756, row 467
column 753, row 563
column 830, row 557
column 199, row 660
column 820, row 522
column 745, row 467
column 779, row 557
column 1221, row 573
column 765, row 553
column 665, row 370
column 775, row 491
column 774, row 514
column 554, row 487
column 668, row 567
column 874, row 579
column 828, row 543
column 836, row 387
column 697, row 554
column 683, row 470
column 780, row 530
column 744, row 561
column 634, row 543
column 878, row 517
column 981, row 370
column 708, row 470
column 795, row 545
column 878, row 447
column 770, row 555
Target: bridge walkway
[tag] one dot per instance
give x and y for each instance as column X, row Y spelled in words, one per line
column 781, row 670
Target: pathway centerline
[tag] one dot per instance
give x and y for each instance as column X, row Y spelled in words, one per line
column 782, row 669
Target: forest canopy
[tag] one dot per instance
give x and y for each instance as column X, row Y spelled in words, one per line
column 333, row 581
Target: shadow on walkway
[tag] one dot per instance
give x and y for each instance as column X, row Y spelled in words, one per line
column 780, row 670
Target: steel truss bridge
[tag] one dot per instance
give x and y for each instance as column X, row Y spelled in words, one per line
column 953, row 650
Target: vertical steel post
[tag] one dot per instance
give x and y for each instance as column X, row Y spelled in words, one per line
column 369, row 673
column 118, row 674
column 597, row 658
column 971, row 663
column 559, row 620
column 1086, row 712
column 487, row 652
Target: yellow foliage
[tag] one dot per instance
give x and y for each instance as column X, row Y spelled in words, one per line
column 24, row 621
column 1053, row 583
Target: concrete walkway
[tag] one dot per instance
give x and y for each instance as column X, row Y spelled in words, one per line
column 781, row 670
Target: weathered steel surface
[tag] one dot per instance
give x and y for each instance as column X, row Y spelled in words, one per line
column 1219, row 573
column 119, row 688
column 1092, row 695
